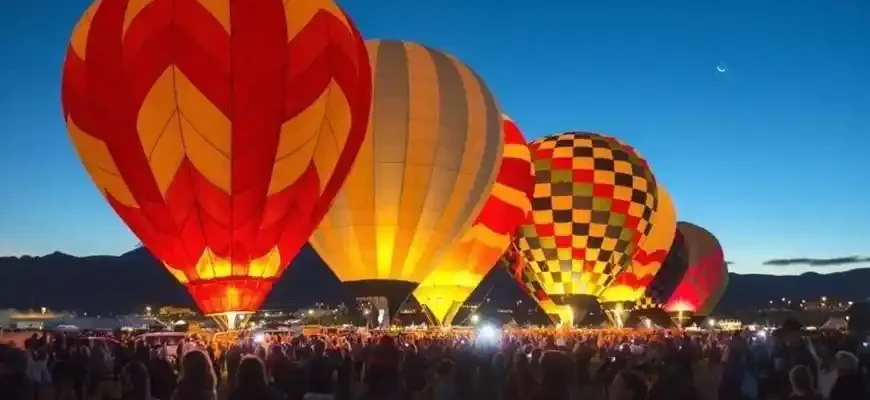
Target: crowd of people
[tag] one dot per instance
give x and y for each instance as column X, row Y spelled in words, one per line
column 787, row 364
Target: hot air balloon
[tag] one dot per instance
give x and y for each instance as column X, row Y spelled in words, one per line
column 710, row 305
column 702, row 278
column 479, row 249
column 664, row 283
column 426, row 167
column 629, row 286
column 592, row 206
column 525, row 278
column 220, row 148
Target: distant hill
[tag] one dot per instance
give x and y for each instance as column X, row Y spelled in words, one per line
column 134, row 279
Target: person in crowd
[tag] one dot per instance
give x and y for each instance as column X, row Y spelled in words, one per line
column 14, row 383
column 801, row 379
column 251, row 382
column 135, row 382
column 850, row 383
column 628, row 385
column 197, row 380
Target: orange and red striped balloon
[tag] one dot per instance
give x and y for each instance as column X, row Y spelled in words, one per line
column 218, row 130
column 479, row 249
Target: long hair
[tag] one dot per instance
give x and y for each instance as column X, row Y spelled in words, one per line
column 136, row 375
column 251, row 375
column 197, row 371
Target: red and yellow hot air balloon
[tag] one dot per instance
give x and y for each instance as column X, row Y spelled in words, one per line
column 479, row 249
column 629, row 286
column 219, row 131
column 704, row 276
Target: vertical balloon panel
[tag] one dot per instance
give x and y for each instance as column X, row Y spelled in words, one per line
column 448, row 286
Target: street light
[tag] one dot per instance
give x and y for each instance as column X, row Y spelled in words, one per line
column 43, row 310
column 475, row 318
column 148, row 310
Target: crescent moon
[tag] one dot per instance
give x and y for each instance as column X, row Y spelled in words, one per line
column 721, row 69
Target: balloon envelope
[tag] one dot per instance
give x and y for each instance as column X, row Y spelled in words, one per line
column 631, row 284
column 710, row 305
column 220, row 148
column 592, row 206
column 427, row 165
column 704, row 275
column 480, row 248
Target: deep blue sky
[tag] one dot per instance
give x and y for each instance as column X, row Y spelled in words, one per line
column 771, row 155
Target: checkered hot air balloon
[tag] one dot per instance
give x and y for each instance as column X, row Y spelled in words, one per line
column 619, row 298
column 219, row 131
column 421, row 178
column 445, row 289
column 593, row 203
column 525, row 278
column 704, row 276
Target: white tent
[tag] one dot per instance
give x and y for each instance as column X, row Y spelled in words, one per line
column 836, row 323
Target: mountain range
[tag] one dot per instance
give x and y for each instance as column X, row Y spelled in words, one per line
column 128, row 282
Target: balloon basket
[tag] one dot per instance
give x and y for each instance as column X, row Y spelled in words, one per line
column 681, row 318
column 578, row 305
column 617, row 312
column 231, row 320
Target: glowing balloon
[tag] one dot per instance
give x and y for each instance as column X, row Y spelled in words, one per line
column 593, row 203
column 423, row 173
column 218, row 131
column 710, row 305
column 629, row 286
column 477, row 252
column 704, row 275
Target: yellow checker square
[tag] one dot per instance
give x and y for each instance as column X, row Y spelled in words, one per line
column 602, row 152
column 609, row 243
column 643, row 225
column 563, row 254
column 576, row 265
column 544, row 278
column 537, row 254
column 583, row 163
column 584, row 280
column 599, row 267
column 546, row 144
column 582, row 141
column 579, row 241
column 543, row 189
column 553, row 265
column 640, row 183
column 652, row 202
column 563, row 152
column 542, row 216
column 622, row 166
column 567, row 136
column 581, row 215
column 591, row 254
column 622, row 193
column 636, row 209
column 597, row 230
column 565, row 202
column 603, row 177
column 562, row 229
